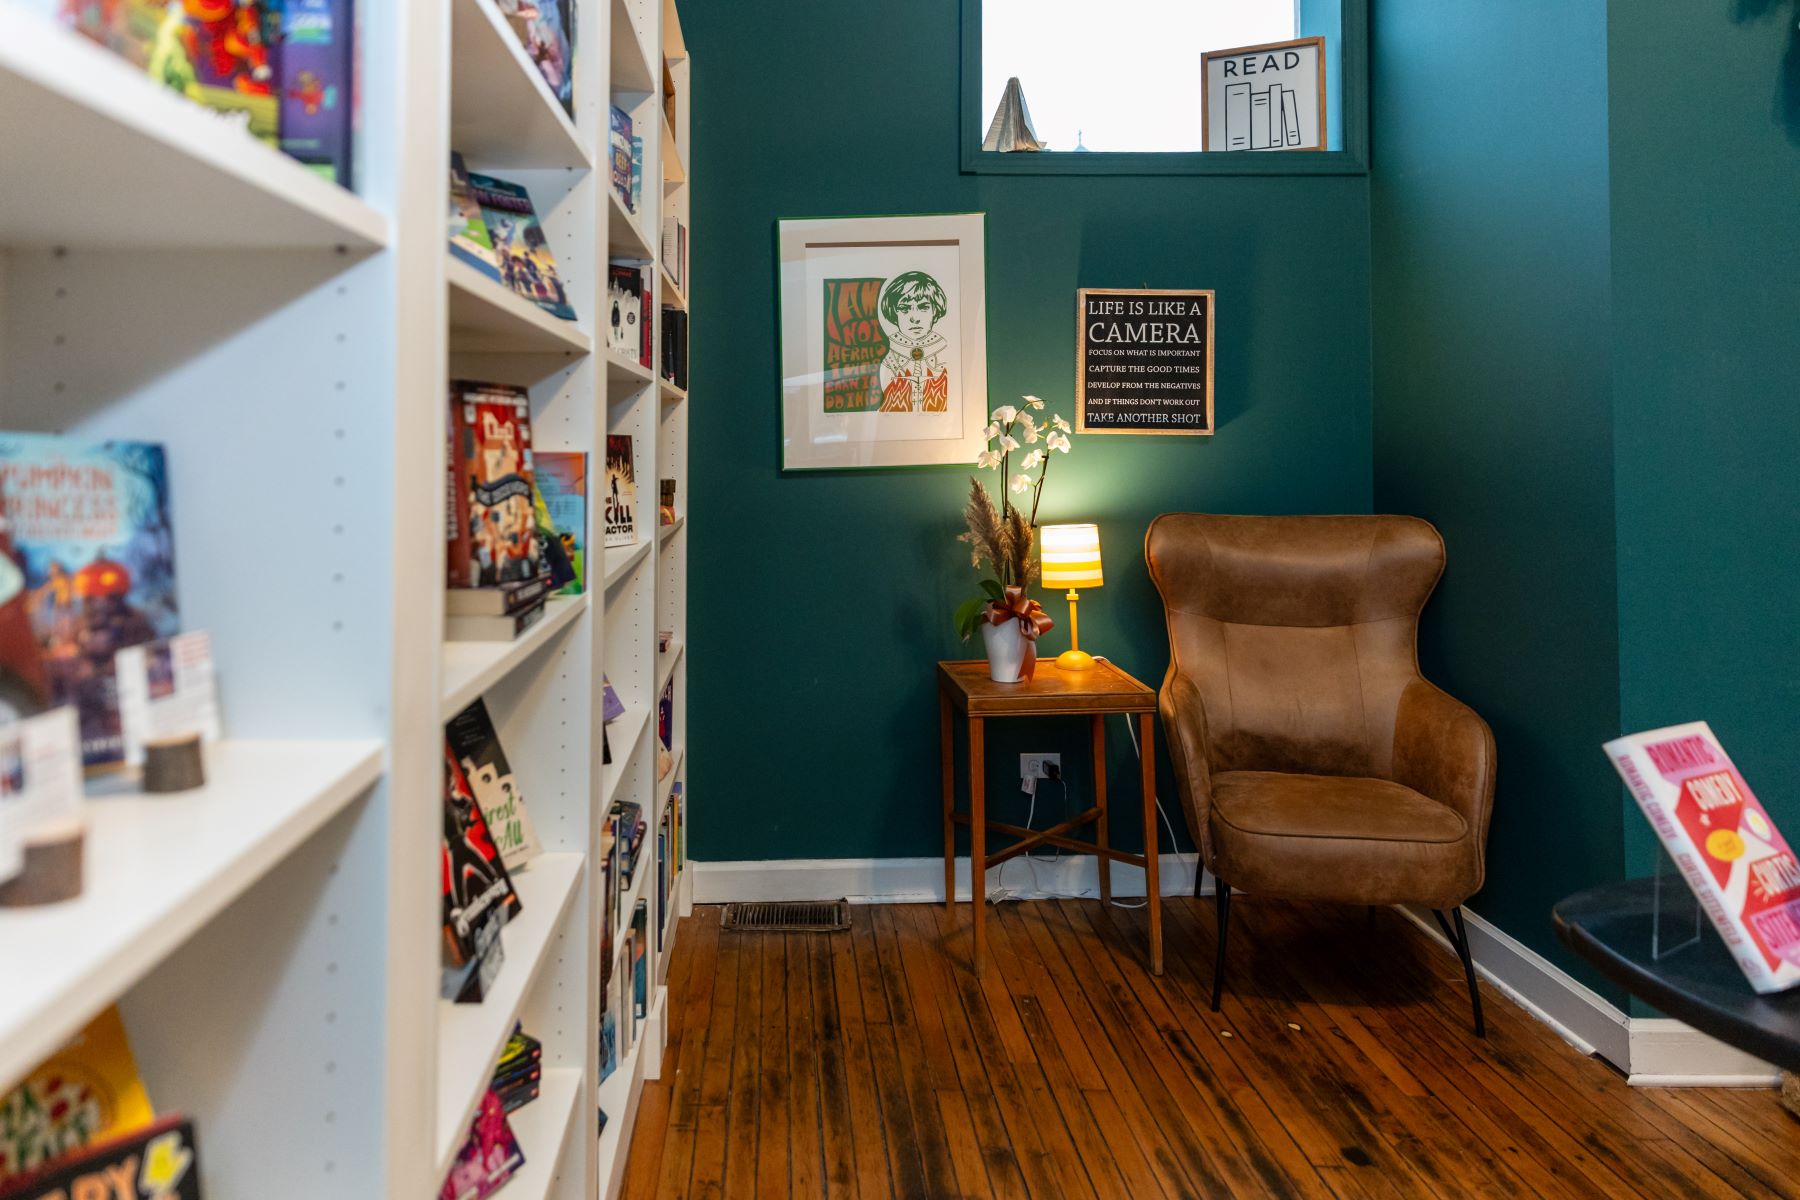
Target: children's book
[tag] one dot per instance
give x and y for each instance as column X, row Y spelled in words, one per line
column 159, row 1162
column 469, row 238
column 665, row 730
column 478, row 892
column 550, row 42
column 624, row 310
column 90, row 525
column 611, row 707
column 526, row 264
column 222, row 55
column 562, row 482
column 476, row 745
column 619, row 143
column 317, row 66
column 621, row 492
column 88, row 1092
column 492, row 528
column 489, row 1158
column 1737, row 863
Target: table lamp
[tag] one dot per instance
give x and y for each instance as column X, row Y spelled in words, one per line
column 1071, row 559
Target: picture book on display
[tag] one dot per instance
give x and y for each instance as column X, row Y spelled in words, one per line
column 627, row 311
column 526, row 264
column 489, row 1157
column 546, row 28
column 1737, row 863
column 477, row 747
column 88, row 1092
column 469, row 240
column 492, row 529
column 316, row 67
column 159, row 1162
column 478, row 892
column 90, row 525
column 621, row 492
column 619, row 160
column 665, row 730
column 562, row 482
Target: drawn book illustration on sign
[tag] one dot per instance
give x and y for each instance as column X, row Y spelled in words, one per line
column 621, row 492
column 526, row 264
column 90, row 524
column 1729, row 851
column 1268, row 97
column 493, row 530
column 477, row 745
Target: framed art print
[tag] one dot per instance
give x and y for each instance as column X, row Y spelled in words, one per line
column 883, row 341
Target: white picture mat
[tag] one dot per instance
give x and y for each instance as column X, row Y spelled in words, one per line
column 1266, row 97
column 812, row 251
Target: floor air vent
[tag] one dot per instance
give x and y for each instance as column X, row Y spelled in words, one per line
column 789, row 916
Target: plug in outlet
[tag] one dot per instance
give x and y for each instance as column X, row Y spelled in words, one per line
column 1040, row 766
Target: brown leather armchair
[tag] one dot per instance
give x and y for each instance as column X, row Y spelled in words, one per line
column 1314, row 761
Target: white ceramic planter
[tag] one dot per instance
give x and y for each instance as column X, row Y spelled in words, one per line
column 1005, row 651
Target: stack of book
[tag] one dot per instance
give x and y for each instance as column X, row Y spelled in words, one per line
column 519, row 1075
column 675, row 347
column 499, row 567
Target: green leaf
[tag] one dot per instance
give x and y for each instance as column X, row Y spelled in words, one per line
column 968, row 614
column 993, row 589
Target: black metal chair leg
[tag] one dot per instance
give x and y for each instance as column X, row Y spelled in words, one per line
column 1222, row 900
column 1460, row 939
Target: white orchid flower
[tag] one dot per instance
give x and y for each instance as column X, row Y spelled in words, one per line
column 1031, row 428
column 991, row 432
column 1059, row 423
column 1021, row 483
column 1008, row 443
column 986, row 459
column 1058, row 442
column 1005, row 414
column 1033, row 402
column 1033, row 459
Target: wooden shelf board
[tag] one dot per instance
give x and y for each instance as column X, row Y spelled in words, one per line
column 502, row 113
column 104, row 150
column 157, row 868
column 471, row 668
column 471, row 1036
column 486, row 315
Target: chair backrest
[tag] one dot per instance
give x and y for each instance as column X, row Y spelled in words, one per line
column 1300, row 633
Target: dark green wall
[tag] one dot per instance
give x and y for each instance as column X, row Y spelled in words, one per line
column 819, row 603
column 1705, row 138
column 1493, row 414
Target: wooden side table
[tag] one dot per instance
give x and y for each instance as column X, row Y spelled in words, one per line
column 964, row 687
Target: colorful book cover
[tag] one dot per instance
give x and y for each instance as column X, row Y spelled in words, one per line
column 478, row 892
column 526, row 264
column 489, row 1158
column 562, row 481
column 492, row 529
column 640, row 960
column 621, row 492
column 611, row 707
column 550, row 42
column 637, row 171
column 1737, row 863
column 665, row 730
column 87, row 1092
column 619, row 142
column 469, row 238
column 220, row 53
column 476, row 745
column 90, row 524
column 317, row 65
column 161, row 1162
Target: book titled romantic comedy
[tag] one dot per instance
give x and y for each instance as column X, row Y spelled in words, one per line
column 1728, row 849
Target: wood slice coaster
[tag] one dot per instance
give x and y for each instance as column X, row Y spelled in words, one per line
column 174, row 764
column 52, row 873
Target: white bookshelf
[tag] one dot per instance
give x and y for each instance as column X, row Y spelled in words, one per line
column 164, row 277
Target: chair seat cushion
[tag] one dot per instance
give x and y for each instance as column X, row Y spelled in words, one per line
column 1331, row 806
column 1341, row 839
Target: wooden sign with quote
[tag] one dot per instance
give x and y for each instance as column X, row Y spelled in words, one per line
column 1144, row 361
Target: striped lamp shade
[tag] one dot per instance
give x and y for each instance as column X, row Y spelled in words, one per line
column 1071, row 556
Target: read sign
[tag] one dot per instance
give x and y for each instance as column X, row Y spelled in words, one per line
column 1265, row 97
column 1144, row 361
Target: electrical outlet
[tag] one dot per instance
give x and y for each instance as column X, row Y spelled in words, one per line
column 1031, row 766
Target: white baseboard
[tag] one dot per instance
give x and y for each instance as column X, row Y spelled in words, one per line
column 1652, row 1051
column 920, row 880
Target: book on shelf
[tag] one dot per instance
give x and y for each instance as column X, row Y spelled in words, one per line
column 665, row 509
column 478, row 894
column 499, row 601
column 469, row 240
column 668, row 94
column 503, row 628
column 637, row 171
column 87, row 1092
column 675, row 347
column 618, row 145
column 628, row 308
column 90, row 525
column 520, row 245
column 611, row 707
column 674, row 249
column 489, row 1157
column 476, row 744
column 665, row 730
column 640, row 960
column 546, row 29
column 519, row 1074
column 1734, row 859
column 621, row 492
column 158, row 1162
column 662, row 879
column 316, row 67
column 491, row 525
column 562, row 482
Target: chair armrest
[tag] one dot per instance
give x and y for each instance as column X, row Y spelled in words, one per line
column 1443, row 750
column 1184, row 727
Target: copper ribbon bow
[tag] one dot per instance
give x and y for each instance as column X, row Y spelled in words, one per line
column 1032, row 619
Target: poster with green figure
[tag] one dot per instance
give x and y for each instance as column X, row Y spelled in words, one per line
column 855, row 345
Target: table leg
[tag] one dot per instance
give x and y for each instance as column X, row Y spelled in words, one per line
column 1152, row 884
column 947, row 741
column 1104, row 864
column 978, row 839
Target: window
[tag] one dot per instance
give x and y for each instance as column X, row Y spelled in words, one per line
column 1116, row 85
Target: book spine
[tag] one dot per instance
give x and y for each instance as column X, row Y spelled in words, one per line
column 456, row 504
column 1237, row 116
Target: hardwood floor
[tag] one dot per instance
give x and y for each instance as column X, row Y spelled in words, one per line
column 871, row 1064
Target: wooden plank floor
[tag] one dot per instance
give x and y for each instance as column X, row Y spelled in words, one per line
column 871, row 1064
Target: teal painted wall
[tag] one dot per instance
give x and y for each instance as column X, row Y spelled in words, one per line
column 819, row 603
column 1493, row 413
column 1705, row 141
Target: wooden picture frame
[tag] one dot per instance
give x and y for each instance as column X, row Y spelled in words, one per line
column 1085, row 325
column 1316, row 46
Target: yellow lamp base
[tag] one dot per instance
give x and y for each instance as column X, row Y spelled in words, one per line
column 1074, row 660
